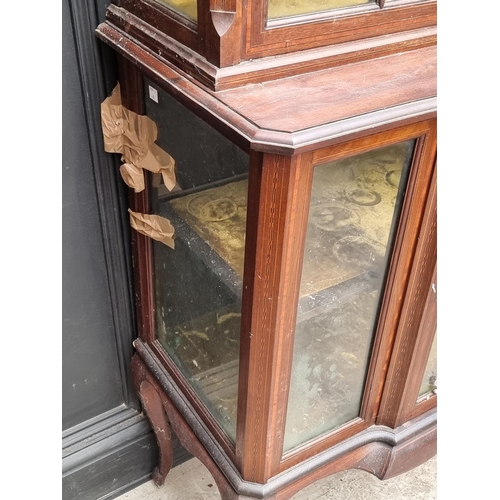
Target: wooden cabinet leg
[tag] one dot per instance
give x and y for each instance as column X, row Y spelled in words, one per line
column 154, row 410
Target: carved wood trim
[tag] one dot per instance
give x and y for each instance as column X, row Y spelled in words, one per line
column 223, row 34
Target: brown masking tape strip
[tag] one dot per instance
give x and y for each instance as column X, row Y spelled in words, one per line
column 134, row 137
column 112, row 122
column 133, row 177
column 155, row 227
column 159, row 161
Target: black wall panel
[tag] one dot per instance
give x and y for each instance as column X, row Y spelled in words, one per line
column 91, row 376
column 108, row 445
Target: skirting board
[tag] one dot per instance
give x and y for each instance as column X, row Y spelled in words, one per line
column 109, row 455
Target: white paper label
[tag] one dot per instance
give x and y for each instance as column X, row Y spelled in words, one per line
column 153, row 94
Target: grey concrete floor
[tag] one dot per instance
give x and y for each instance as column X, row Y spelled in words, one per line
column 192, row 481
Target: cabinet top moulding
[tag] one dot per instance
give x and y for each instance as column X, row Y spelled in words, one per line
column 303, row 112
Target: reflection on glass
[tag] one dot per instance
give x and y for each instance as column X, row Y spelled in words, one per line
column 429, row 381
column 198, row 284
column 187, row 8
column 286, row 8
column 355, row 204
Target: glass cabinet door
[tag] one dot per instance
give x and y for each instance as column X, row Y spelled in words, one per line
column 286, row 8
column 198, row 281
column 187, row 8
column 353, row 215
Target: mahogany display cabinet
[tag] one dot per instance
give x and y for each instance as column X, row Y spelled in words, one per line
column 286, row 288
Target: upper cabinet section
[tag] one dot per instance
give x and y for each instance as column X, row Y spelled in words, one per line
column 242, row 41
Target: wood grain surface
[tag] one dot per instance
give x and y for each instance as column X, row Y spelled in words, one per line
column 313, row 99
